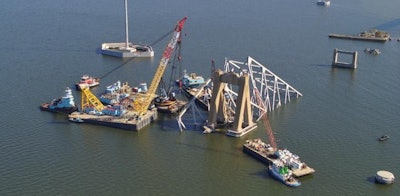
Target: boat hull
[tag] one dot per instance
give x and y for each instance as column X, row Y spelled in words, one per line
column 63, row 110
column 173, row 108
column 79, row 87
column 259, row 156
column 126, row 122
column 119, row 50
column 274, row 174
column 375, row 39
column 198, row 102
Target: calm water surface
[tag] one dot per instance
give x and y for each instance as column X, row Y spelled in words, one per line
column 47, row 45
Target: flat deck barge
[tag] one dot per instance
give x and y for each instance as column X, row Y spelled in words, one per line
column 172, row 109
column 129, row 121
column 372, row 35
column 265, row 153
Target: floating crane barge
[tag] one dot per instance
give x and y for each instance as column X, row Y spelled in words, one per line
column 138, row 114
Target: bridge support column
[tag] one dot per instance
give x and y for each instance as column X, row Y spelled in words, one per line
column 243, row 122
column 336, row 63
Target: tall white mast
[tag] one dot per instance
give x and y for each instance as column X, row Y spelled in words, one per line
column 126, row 24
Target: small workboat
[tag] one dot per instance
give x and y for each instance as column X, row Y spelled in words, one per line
column 87, row 82
column 324, row 2
column 383, row 138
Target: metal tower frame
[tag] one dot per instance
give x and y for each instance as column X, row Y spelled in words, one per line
column 272, row 88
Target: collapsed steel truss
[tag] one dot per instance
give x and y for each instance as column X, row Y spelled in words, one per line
column 264, row 84
column 272, row 88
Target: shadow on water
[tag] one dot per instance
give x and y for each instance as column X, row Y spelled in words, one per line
column 322, row 65
column 371, row 179
column 59, row 122
column 393, row 25
column 98, row 51
column 116, row 68
column 261, row 173
column 207, row 149
column 161, row 38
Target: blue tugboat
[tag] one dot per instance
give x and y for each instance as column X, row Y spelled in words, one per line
column 63, row 104
column 282, row 173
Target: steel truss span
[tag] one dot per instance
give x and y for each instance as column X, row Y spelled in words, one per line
column 273, row 90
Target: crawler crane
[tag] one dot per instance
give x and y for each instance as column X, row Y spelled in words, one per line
column 143, row 101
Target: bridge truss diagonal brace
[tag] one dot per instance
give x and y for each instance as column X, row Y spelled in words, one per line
column 273, row 90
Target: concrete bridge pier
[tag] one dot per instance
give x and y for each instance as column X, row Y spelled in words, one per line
column 337, row 63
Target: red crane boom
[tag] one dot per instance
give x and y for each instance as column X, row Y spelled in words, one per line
column 267, row 126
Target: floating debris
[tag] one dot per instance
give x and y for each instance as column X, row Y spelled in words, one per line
column 372, row 51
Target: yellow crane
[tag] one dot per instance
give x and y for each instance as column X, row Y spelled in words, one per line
column 89, row 99
column 143, row 101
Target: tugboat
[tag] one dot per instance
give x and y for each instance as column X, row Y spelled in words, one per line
column 282, row 173
column 64, row 104
column 87, row 82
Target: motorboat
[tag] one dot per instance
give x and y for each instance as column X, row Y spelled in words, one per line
column 383, row 138
column 324, row 2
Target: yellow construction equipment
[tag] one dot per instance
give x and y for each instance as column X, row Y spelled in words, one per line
column 143, row 101
column 88, row 100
